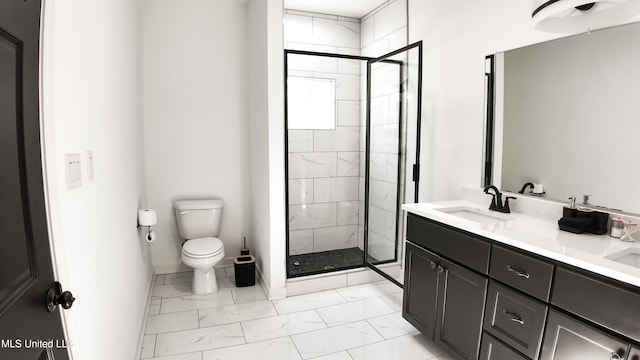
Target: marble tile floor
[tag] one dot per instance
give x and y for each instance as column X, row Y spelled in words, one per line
column 361, row 322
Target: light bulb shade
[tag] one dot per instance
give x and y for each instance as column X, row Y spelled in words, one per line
column 571, row 16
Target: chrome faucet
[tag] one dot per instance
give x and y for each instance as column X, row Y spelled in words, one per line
column 496, row 200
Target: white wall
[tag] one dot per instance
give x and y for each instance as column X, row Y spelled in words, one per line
column 457, row 36
column 92, row 101
column 266, row 139
column 195, row 86
column 384, row 29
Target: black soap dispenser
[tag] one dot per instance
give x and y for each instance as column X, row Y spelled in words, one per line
column 573, row 220
column 582, row 220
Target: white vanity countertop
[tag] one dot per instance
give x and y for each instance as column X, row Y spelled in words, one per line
column 539, row 236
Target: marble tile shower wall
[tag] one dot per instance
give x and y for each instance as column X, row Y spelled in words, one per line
column 381, row 32
column 324, row 165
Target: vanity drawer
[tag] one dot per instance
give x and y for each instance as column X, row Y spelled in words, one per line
column 454, row 244
column 493, row 349
column 514, row 318
column 523, row 272
column 603, row 303
column 634, row 354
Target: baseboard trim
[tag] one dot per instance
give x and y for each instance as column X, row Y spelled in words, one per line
column 272, row 294
column 143, row 323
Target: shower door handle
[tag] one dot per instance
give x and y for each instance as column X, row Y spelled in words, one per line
column 416, row 172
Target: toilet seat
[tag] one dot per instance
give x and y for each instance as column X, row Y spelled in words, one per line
column 202, row 247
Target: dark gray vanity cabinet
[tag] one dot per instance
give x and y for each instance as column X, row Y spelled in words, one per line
column 420, row 289
column 568, row 338
column 478, row 299
column 461, row 296
column 443, row 299
column 520, row 271
column 493, row 349
column 514, row 318
column 464, row 248
column 606, row 304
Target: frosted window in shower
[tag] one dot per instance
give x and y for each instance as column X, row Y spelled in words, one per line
column 311, row 103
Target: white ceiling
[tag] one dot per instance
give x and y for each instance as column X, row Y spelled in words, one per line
column 351, row 8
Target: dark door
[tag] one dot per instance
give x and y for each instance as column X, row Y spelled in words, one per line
column 461, row 297
column 420, row 289
column 27, row 329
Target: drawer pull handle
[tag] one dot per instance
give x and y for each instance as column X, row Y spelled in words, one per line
column 519, row 273
column 433, row 265
column 615, row 356
column 514, row 317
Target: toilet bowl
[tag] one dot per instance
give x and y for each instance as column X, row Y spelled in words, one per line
column 199, row 223
column 202, row 255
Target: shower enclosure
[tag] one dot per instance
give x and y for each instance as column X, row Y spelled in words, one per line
column 352, row 131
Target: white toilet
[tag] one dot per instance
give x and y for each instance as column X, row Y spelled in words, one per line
column 199, row 224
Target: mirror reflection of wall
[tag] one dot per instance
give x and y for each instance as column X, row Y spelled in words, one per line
column 571, row 117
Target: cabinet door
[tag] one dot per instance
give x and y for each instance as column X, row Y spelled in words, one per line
column 420, row 289
column 493, row 349
column 460, row 310
column 568, row 338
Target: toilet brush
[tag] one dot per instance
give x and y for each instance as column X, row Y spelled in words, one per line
column 244, row 250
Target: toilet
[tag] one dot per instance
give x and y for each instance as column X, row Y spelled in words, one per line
column 199, row 224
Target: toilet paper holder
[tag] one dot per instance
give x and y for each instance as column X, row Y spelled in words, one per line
column 148, row 218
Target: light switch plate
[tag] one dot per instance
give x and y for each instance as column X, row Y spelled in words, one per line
column 89, row 165
column 73, row 170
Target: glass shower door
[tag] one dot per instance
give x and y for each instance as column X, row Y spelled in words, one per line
column 392, row 155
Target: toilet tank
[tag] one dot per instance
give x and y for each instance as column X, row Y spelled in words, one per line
column 198, row 218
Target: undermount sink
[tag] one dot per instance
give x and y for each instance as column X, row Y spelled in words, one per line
column 629, row 256
column 478, row 215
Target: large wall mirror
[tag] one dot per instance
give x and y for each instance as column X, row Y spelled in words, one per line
column 567, row 115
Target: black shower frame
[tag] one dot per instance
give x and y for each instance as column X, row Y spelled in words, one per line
column 416, row 167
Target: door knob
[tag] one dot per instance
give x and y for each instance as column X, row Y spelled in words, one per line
column 55, row 297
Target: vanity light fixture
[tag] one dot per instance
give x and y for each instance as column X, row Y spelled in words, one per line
column 581, row 15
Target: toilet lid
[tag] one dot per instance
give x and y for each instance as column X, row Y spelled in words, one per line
column 202, row 247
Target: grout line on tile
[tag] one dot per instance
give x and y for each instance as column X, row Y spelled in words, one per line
column 154, row 345
column 295, row 346
column 321, row 318
column 244, row 335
